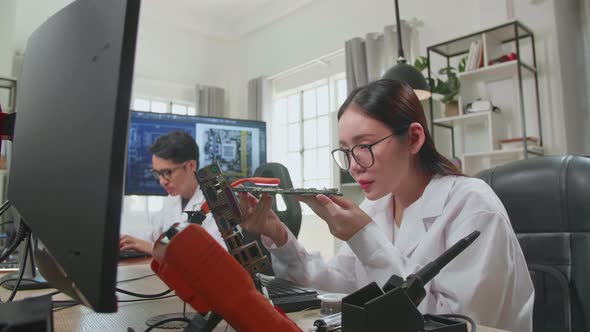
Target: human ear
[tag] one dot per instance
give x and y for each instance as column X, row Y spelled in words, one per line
column 416, row 137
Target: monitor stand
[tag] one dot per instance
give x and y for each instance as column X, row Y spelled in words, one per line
column 32, row 279
column 178, row 320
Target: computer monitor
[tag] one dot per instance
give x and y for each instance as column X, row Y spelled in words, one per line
column 239, row 146
column 68, row 155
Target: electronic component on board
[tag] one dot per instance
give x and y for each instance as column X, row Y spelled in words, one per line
column 289, row 191
column 223, row 203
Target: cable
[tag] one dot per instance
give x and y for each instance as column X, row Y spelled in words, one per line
column 22, row 270
column 138, row 278
column 463, row 317
column 21, row 234
column 65, row 307
column 4, row 207
column 52, row 293
column 151, row 299
column 7, row 222
column 164, row 321
column 144, row 296
column 24, row 279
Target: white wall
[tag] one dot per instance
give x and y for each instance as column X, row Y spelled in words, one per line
column 169, row 61
column 7, row 23
column 172, row 59
column 310, row 33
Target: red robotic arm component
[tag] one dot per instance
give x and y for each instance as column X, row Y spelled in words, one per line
column 203, row 274
column 257, row 180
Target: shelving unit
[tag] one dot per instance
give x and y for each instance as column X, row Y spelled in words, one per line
column 8, row 94
column 512, row 86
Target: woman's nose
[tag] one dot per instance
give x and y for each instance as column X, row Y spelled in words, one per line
column 355, row 167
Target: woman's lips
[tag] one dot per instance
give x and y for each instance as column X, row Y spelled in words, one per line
column 365, row 184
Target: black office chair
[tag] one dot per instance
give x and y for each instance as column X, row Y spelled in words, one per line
column 291, row 216
column 548, row 202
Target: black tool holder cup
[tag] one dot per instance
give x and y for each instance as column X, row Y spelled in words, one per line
column 371, row 309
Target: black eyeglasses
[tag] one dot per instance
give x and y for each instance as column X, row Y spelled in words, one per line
column 362, row 154
column 166, row 173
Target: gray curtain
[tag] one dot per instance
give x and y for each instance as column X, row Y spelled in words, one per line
column 367, row 59
column 257, row 97
column 210, row 101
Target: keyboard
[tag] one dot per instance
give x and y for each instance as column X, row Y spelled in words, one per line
column 130, row 253
column 288, row 296
column 10, row 264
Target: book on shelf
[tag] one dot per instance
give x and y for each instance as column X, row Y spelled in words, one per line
column 518, row 143
column 475, row 56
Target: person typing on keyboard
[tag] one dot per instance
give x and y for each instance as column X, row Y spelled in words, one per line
column 417, row 205
column 174, row 159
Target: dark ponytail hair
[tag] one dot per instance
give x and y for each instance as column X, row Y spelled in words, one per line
column 395, row 104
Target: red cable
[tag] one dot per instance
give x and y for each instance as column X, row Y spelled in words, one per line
column 256, row 180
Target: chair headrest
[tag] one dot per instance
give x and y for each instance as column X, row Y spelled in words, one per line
column 291, row 216
column 545, row 194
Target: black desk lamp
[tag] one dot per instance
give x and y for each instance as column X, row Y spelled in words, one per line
column 404, row 72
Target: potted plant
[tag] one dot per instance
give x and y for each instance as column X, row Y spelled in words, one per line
column 447, row 90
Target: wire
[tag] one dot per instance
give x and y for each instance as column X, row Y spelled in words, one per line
column 65, row 306
column 24, row 279
column 151, row 299
column 144, row 296
column 22, row 270
column 463, row 317
column 164, row 321
column 21, row 234
column 138, row 278
column 256, row 180
column 52, row 293
column 4, row 207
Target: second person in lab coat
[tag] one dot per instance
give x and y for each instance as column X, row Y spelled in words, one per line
column 174, row 159
column 417, row 205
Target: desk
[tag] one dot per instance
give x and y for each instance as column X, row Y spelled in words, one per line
column 135, row 314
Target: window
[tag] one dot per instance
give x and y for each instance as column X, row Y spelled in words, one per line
column 302, row 131
column 159, row 106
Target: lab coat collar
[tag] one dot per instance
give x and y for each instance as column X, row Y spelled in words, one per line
column 419, row 216
column 194, row 204
column 196, row 201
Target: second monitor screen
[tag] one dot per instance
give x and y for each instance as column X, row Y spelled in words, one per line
column 239, row 146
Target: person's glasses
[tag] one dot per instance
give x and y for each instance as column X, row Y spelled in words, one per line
column 165, row 173
column 362, row 154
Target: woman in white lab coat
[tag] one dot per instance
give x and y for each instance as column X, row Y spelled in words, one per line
column 417, row 205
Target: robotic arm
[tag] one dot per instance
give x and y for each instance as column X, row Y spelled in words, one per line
column 204, row 275
column 207, row 276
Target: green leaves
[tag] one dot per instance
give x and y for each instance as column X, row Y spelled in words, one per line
column 421, row 63
column 449, row 88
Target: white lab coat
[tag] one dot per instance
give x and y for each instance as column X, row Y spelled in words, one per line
column 489, row 281
column 172, row 213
